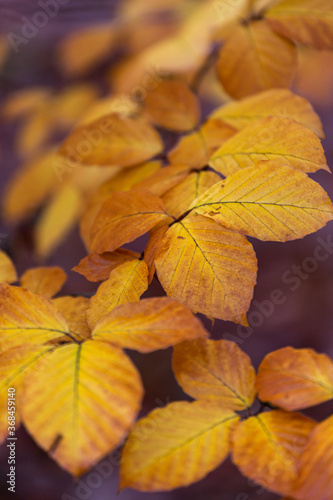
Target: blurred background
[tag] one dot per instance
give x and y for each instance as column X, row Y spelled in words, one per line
column 49, row 77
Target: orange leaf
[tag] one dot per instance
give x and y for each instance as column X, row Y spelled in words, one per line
column 149, row 325
column 164, row 179
column 113, row 140
column 74, row 310
column 27, row 318
column 305, row 21
column 216, row 370
column 315, row 474
column 97, row 267
column 124, row 217
column 266, row 448
column 187, row 440
column 44, row 280
column 191, row 150
column 7, row 269
column 271, row 138
column 295, row 378
column 155, row 236
column 207, row 267
column 255, row 58
column 173, row 105
column 127, row 282
column 281, row 103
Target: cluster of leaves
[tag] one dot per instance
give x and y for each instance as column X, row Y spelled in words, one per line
column 240, row 171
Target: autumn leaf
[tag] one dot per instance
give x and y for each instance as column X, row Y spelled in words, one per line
column 114, row 140
column 126, row 283
column 195, row 434
column 149, row 325
column 295, row 378
column 155, row 236
column 83, row 49
column 315, row 475
column 164, row 179
column 124, row 217
column 173, row 105
column 281, row 103
column 271, row 138
column 44, row 280
column 89, row 406
column 248, row 61
column 28, row 318
column 207, row 267
column 178, row 199
column 7, row 269
column 217, row 371
column 24, row 101
column 190, row 150
column 74, row 311
column 266, row 448
column 269, row 201
column 97, row 267
column 309, row 22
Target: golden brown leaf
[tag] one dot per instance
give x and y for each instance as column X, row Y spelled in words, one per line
column 186, row 439
column 281, row 103
column 255, row 58
column 7, row 269
column 27, row 318
column 269, row 201
column 215, row 370
column 172, row 105
column 164, row 179
column 85, row 412
column 295, row 378
column 271, row 138
column 74, row 310
column 155, row 236
column 315, row 475
column 125, row 216
column 113, row 140
column 266, row 448
column 309, row 22
column 207, row 267
column 44, row 280
column 191, row 150
column 127, row 282
column 178, row 199
column 149, row 325
column 97, row 267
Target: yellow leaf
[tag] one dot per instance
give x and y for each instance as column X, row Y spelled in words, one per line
column 97, row 267
column 125, row 216
column 271, row 138
column 173, row 105
column 83, row 49
column 122, row 105
column 27, row 318
column 269, row 201
column 315, row 475
column 295, row 378
column 191, row 150
column 19, row 202
column 74, row 310
column 113, row 140
column 266, row 448
column 281, row 103
column 186, row 441
column 149, row 325
column 14, row 365
column 7, row 269
column 122, row 181
column 255, row 58
column 88, row 407
column 215, row 370
column 57, row 220
column 309, row 22
column 207, row 267
column 127, row 282
column 178, row 199
column 44, row 280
